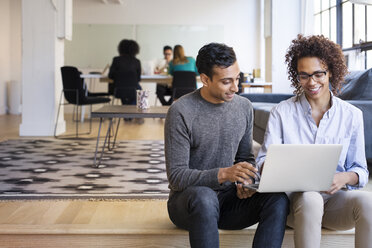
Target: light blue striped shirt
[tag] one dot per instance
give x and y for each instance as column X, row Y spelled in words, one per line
column 290, row 122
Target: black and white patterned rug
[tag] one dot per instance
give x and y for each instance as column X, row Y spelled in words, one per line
column 51, row 168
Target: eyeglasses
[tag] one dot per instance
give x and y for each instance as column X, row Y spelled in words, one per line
column 167, row 54
column 317, row 76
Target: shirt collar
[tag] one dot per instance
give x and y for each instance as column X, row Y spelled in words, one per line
column 307, row 108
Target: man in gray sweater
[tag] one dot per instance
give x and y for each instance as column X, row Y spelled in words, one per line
column 208, row 147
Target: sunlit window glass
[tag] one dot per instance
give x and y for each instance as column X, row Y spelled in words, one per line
column 369, row 59
column 369, row 23
column 316, row 6
column 360, row 21
column 347, row 31
column 317, row 24
column 325, row 4
column 333, row 24
column 325, row 23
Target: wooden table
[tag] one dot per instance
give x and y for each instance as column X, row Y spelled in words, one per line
column 121, row 111
column 156, row 78
column 267, row 87
column 160, row 79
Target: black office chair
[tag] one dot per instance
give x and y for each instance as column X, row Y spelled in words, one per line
column 183, row 82
column 75, row 93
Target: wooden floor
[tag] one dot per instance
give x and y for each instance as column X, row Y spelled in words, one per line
column 132, row 223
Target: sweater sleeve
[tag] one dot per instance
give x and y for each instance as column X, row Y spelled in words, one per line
column 245, row 151
column 113, row 68
column 177, row 155
column 139, row 70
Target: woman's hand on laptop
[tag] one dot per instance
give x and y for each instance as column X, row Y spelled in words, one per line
column 241, row 172
column 340, row 179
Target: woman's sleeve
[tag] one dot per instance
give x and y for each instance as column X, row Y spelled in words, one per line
column 356, row 157
column 195, row 68
column 171, row 68
column 112, row 69
column 139, row 70
column 273, row 135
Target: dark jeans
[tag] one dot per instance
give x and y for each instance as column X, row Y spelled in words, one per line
column 163, row 90
column 128, row 95
column 201, row 211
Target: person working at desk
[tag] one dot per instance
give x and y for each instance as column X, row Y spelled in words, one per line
column 180, row 62
column 208, row 147
column 161, row 68
column 316, row 67
column 125, row 71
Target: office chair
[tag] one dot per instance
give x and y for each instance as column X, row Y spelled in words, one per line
column 76, row 94
column 183, row 82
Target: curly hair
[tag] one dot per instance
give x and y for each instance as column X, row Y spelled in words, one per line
column 214, row 54
column 318, row 46
column 128, row 47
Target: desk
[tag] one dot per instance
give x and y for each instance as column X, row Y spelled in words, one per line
column 157, row 78
column 266, row 87
column 121, row 111
column 161, row 79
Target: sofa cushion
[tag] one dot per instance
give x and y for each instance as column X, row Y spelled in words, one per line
column 262, row 113
column 358, row 86
column 266, row 97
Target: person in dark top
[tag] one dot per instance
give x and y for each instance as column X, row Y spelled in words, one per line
column 125, row 71
column 162, row 68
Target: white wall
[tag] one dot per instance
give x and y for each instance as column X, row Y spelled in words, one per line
column 240, row 19
column 14, row 85
column 42, row 56
column 10, row 56
column 4, row 52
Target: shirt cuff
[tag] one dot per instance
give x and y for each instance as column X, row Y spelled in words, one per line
column 362, row 175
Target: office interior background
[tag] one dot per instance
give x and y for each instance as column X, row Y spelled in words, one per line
column 40, row 36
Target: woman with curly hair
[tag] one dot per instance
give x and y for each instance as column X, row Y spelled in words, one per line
column 316, row 68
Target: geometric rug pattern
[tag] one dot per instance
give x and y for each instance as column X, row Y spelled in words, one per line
column 52, row 168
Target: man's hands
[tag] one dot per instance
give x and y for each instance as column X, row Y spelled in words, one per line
column 243, row 193
column 240, row 172
column 341, row 179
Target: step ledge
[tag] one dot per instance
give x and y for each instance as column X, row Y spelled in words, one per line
column 118, row 230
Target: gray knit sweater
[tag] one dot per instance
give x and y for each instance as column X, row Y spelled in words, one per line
column 201, row 137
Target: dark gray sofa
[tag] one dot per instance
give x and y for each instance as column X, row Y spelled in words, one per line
column 357, row 90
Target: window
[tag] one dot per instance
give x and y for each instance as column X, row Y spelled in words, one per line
column 347, row 24
column 325, row 18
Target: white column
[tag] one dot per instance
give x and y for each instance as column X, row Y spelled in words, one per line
column 285, row 25
column 42, row 57
column 4, row 52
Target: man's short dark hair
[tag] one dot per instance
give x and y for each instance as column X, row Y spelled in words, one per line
column 167, row 48
column 214, row 54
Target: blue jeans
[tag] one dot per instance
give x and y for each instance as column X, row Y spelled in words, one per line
column 202, row 211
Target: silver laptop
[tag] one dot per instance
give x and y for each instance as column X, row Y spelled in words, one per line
column 298, row 168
